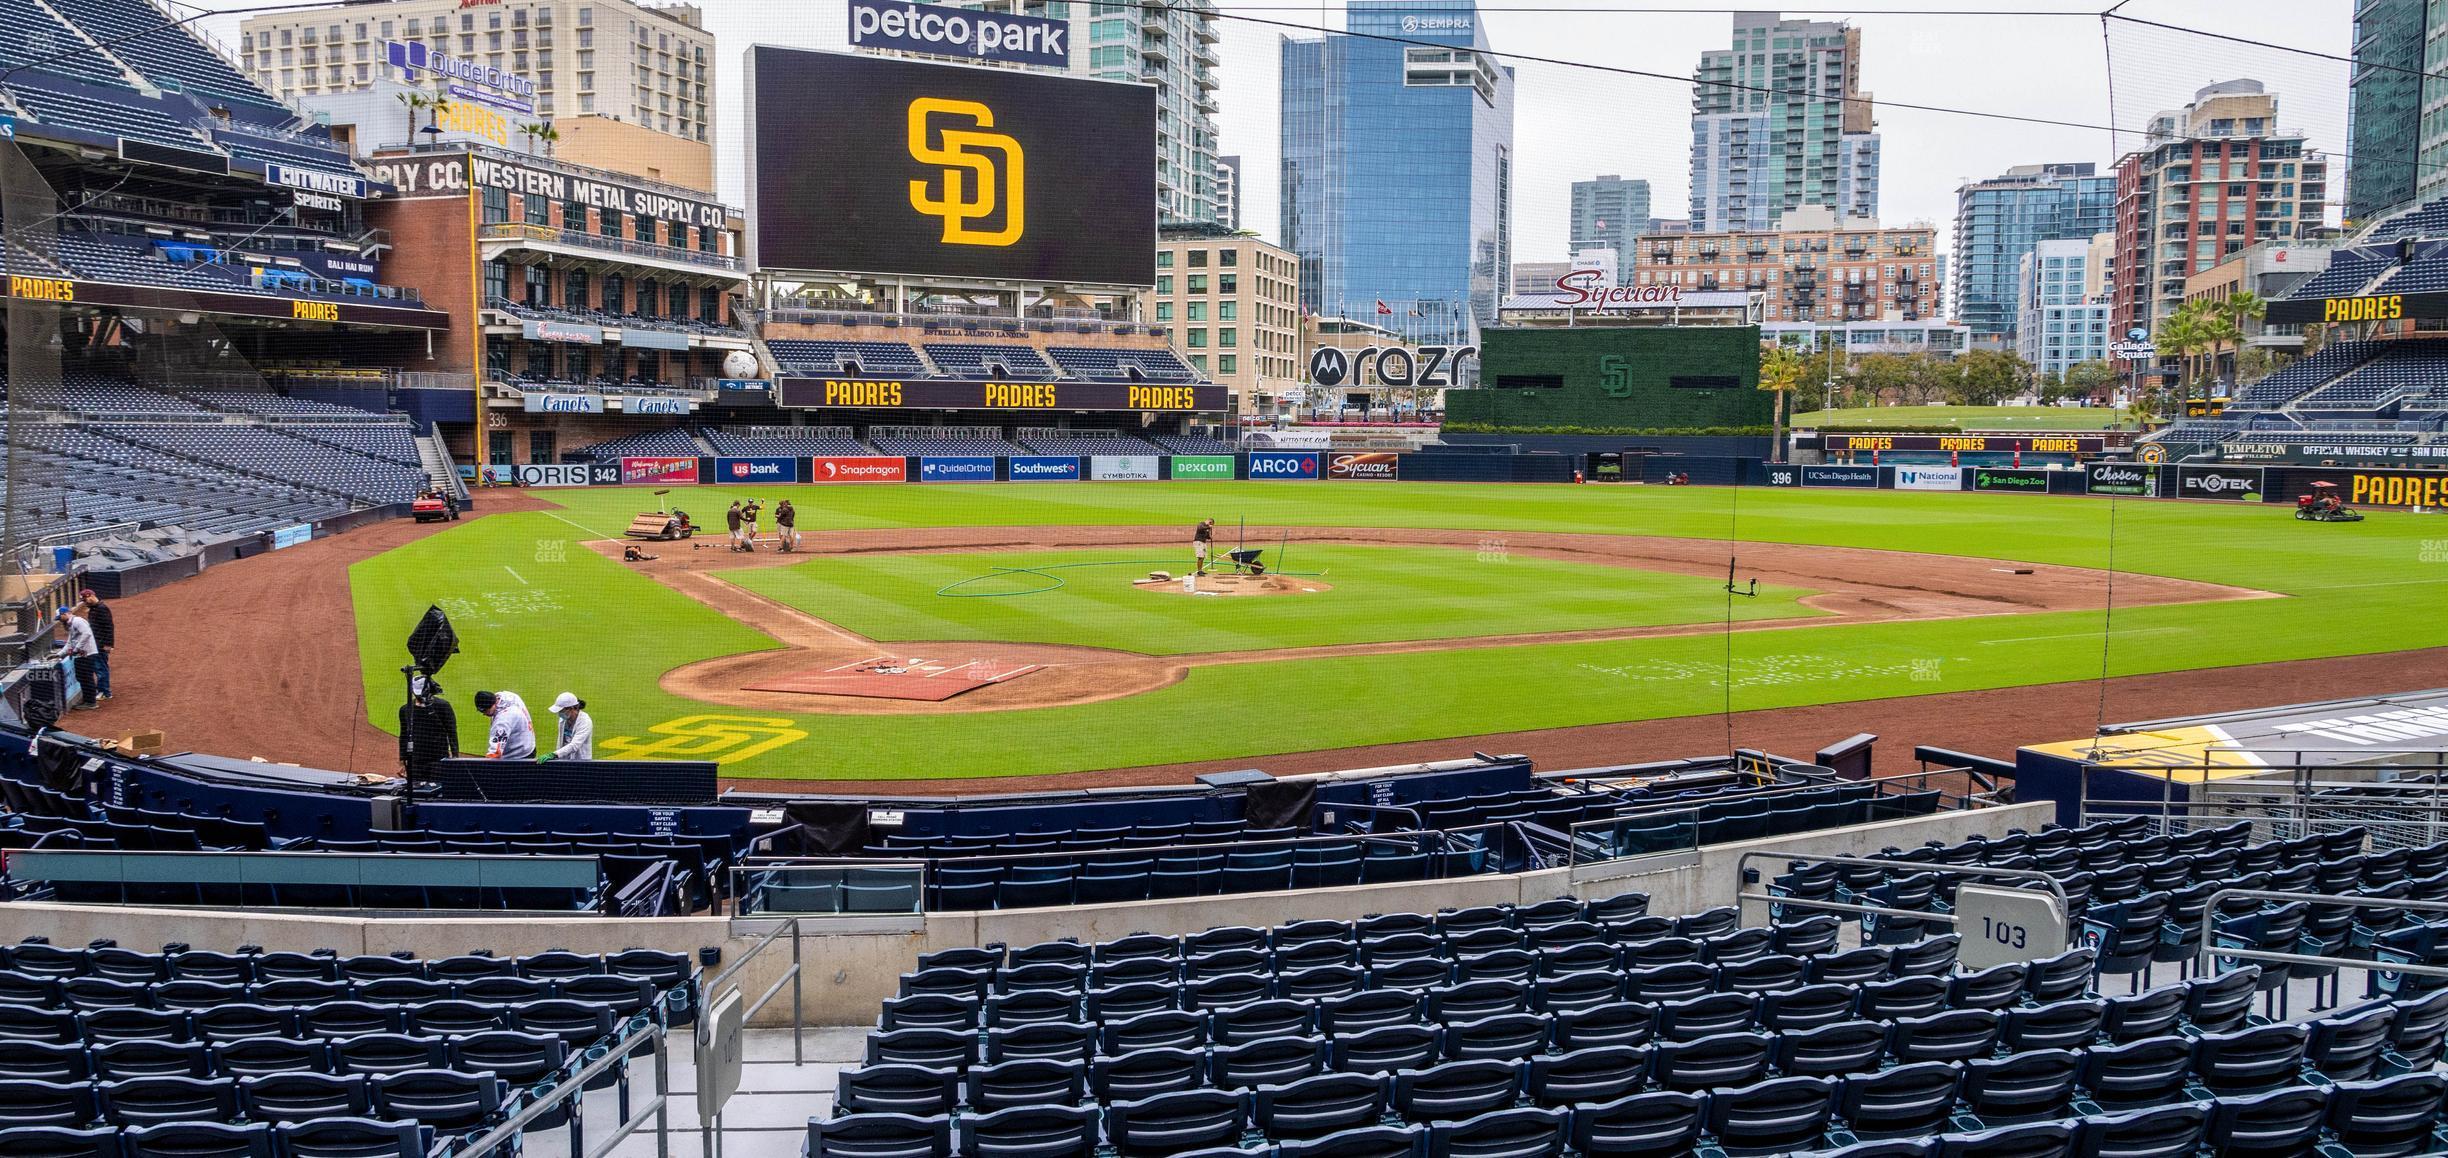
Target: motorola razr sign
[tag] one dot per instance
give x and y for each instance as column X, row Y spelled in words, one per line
column 1398, row 367
column 997, row 37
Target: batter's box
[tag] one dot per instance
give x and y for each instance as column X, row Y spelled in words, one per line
column 890, row 677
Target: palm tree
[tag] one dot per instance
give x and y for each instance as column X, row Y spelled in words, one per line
column 419, row 102
column 540, row 131
column 2234, row 313
column 2183, row 335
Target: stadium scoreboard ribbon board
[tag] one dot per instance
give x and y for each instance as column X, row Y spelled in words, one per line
column 1963, row 443
column 2359, row 308
column 927, row 394
column 948, row 170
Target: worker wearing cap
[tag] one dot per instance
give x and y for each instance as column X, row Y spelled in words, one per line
column 512, row 736
column 577, row 729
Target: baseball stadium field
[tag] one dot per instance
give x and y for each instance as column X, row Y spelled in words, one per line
column 1489, row 609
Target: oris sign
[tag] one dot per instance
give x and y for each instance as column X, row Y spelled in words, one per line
column 1397, row 367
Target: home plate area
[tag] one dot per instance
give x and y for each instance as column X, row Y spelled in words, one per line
column 897, row 678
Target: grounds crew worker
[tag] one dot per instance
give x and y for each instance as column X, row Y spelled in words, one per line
column 733, row 518
column 1199, row 540
column 512, row 736
column 786, row 519
column 428, row 728
column 577, row 729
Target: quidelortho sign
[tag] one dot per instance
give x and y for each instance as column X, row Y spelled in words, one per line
column 996, row 37
column 964, row 468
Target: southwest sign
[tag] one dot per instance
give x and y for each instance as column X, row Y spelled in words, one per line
column 932, row 394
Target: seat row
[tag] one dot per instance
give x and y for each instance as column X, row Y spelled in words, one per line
column 1448, row 923
column 446, row 1100
column 1850, row 1045
column 518, row 1057
column 579, row 1021
column 1680, row 967
column 87, row 994
column 322, row 1138
column 249, row 965
column 1916, row 1111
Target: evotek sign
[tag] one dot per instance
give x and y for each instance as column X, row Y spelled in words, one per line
column 2231, row 483
column 989, row 36
column 984, row 173
column 1398, row 368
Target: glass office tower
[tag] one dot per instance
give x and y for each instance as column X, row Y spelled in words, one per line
column 1397, row 179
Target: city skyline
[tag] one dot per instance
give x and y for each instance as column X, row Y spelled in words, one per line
column 2058, row 72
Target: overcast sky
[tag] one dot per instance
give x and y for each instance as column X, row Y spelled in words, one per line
column 1575, row 122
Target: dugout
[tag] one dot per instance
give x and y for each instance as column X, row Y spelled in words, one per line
column 2239, row 763
column 1625, row 379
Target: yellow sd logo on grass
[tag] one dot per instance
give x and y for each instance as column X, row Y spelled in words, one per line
column 993, row 163
column 722, row 739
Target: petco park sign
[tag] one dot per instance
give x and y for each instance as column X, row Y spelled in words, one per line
column 944, row 31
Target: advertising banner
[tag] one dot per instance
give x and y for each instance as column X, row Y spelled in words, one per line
column 1370, row 467
column 2119, row 478
column 1203, row 466
column 728, row 385
column 2235, row 484
column 291, row 535
column 937, row 394
column 603, row 474
column 540, row 403
column 1780, row 474
column 980, row 468
column 639, row 338
column 1123, row 467
column 865, row 468
column 649, row 404
column 1929, row 478
column 992, row 37
column 2021, row 480
column 2364, row 487
column 657, row 469
column 755, row 470
column 938, row 169
column 1043, row 468
column 1297, row 465
column 548, row 474
column 574, row 333
column 1856, row 477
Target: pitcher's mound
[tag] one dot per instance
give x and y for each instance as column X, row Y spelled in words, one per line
column 1215, row 583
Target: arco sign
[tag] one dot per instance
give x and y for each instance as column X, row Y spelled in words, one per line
column 1397, row 367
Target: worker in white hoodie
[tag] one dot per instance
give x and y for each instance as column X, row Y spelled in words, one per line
column 577, row 729
column 512, row 736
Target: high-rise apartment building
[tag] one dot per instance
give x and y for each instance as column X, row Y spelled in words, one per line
column 1608, row 213
column 2063, row 314
column 1171, row 46
column 2211, row 179
column 1811, row 267
column 650, row 67
column 1998, row 220
column 1779, row 121
column 2396, row 140
column 1228, row 192
column 1397, row 176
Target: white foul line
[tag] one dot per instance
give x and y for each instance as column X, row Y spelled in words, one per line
column 515, row 575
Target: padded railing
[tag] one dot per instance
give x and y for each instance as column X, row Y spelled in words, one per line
column 299, row 879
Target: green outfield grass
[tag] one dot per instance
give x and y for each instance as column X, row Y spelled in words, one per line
column 539, row 613
column 1378, row 594
column 1966, row 418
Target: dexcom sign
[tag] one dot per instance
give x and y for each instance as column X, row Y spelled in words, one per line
column 1295, row 465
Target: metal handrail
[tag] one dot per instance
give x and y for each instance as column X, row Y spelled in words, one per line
column 2210, row 919
column 709, row 1121
column 574, row 1087
column 522, row 231
column 1743, row 871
